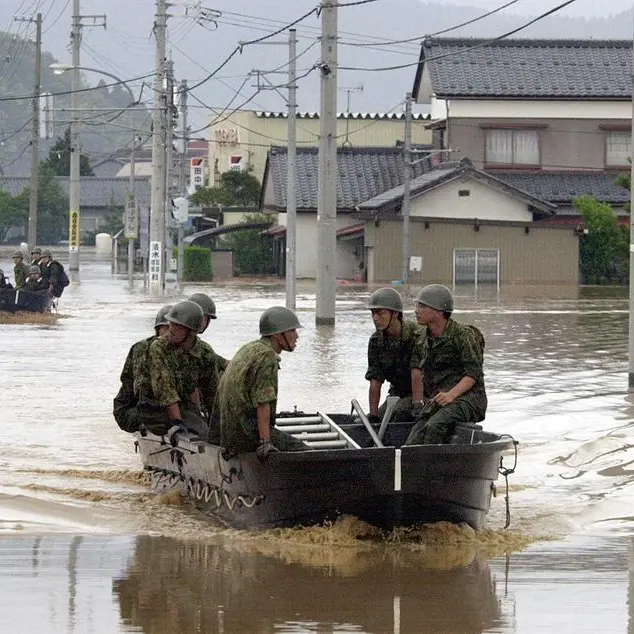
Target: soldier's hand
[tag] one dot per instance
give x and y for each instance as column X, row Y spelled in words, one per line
column 374, row 419
column 417, row 408
column 177, row 428
column 265, row 448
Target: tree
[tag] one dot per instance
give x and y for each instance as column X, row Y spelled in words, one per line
column 12, row 214
column 604, row 248
column 253, row 252
column 59, row 158
column 240, row 189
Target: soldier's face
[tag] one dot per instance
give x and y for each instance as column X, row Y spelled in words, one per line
column 424, row 314
column 381, row 318
column 288, row 340
column 177, row 333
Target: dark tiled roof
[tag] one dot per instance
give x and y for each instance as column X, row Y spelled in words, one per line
column 94, row 191
column 450, row 171
column 362, row 174
column 565, row 186
column 542, row 69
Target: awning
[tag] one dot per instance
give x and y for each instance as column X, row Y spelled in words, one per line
column 351, row 232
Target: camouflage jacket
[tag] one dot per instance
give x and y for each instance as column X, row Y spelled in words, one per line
column 250, row 380
column 135, row 375
column 393, row 358
column 207, row 367
column 445, row 360
column 20, row 273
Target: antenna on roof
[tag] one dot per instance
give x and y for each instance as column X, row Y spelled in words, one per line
column 349, row 90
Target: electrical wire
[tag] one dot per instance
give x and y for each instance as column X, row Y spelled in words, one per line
column 16, row 132
column 57, row 19
column 481, row 44
column 352, row 4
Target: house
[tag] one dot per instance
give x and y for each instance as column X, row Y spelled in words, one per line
column 553, row 116
column 97, row 195
column 242, row 139
column 363, row 173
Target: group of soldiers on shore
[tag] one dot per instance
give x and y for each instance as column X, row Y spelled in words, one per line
column 173, row 382
column 42, row 275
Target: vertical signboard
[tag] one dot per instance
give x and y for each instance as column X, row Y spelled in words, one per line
column 131, row 218
column 73, row 231
column 144, row 231
column 154, row 265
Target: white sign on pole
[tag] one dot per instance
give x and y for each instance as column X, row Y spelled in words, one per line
column 154, row 263
column 131, row 218
column 416, row 263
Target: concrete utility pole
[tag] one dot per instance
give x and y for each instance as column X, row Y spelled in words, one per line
column 630, row 380
column 75, row 149
column 132, row 213
column 157, row 199
column 182, row 177
column 407, row 178
column 327, row 189
column 291, row 184
column 169, row 163
column 35, row 133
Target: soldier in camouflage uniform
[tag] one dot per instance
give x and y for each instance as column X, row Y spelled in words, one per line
column 247, row 394
column 133, row 375
column 451, row 361
column 173, row 397
column 392, row 357
column 20, row 269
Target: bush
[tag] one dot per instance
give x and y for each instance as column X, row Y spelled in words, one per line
column 196, row 264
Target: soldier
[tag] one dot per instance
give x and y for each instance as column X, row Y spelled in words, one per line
column 34, row 282
column 134, row 373
column 451, row 362
column 20, row 269
column 4, row 283
column 392, row 357
column 207, row 304
column 175, row 381
column 53, row 274
column 247, row 394
column 36, row 255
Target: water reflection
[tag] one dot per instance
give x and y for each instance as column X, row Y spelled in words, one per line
column 179, row 588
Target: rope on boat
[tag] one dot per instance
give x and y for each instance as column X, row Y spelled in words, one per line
column 203, row 491
column 506, row 472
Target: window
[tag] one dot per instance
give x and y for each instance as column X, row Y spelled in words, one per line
column 512, row 147
column 476, row 266
column 618, row 148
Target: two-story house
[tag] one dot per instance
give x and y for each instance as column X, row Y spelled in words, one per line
column 552, row 117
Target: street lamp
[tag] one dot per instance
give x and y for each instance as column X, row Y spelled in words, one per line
column 131, row 214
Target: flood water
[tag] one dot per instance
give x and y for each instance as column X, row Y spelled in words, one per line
column 87, row 547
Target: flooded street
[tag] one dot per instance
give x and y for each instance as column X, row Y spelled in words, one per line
column 87, row 547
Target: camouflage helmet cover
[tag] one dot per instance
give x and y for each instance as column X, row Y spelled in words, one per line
column 436, row 296
column 276, row 320
column 34, row 269
column 36, row 250
column 188, row 314
column 18, row 254
column 205, row 302
column 387, row 298
column 160, row 319
column 47, row 254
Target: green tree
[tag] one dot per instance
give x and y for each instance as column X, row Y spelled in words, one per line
column 12, row 214
column 59, row 158
column 604, row 248
column 240, row 189
column 253, row 253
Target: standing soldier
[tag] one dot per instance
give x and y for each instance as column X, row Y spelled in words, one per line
column 451, row 362
column 36, row 255
column 247, row 394
column 392, row 357
column 53, row 274
column 20, row 269
column 134, row 373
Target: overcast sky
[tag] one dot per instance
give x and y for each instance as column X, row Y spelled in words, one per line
column 126, row 47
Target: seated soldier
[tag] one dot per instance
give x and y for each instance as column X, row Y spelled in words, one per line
column 34, row 282
column 4, row 282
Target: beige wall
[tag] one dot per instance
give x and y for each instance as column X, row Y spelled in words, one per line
column 483, row 202
column 564, row 143
column 249, row 136
column 545, row 255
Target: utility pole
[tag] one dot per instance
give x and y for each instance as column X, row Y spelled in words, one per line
column 327, row 188
column 182, row 177
column 35, row 133
column 630, row 381
column 407, row 178
column 169, row 163
column 132, row 213
column 291, row 186
column 75, row 149
column 157, row 199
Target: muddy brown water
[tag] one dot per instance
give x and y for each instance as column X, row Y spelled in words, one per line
column 86, row 546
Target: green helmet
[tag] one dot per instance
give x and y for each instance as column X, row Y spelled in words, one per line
column 436, row 296
column 36, row 250
column 34, row 269
column 386, row 297
column 188, row 314
column 160, row 319
column 47, row 254
column 18, row 254
column 276, row 320
column 205, row 302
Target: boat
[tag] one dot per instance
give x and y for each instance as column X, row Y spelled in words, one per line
column 13, row 301
column 351, row 468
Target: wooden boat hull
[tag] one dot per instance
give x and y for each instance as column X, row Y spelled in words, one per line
column 13, row 301
column 387, row 486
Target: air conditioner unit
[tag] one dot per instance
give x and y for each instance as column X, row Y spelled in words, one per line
column 235, row 168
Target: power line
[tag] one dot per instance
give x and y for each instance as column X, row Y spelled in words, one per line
column 353, row 4
column 467, row 49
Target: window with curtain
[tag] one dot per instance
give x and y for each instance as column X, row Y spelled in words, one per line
column 618, row 148
column 512, row 147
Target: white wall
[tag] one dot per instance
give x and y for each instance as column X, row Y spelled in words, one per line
column 484, row 202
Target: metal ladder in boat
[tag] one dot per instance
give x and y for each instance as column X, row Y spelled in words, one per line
column 318, row 431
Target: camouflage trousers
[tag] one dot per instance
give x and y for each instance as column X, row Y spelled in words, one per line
column 402, row 412
column 248, row 440
column 153, row 417
column 436, row 424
